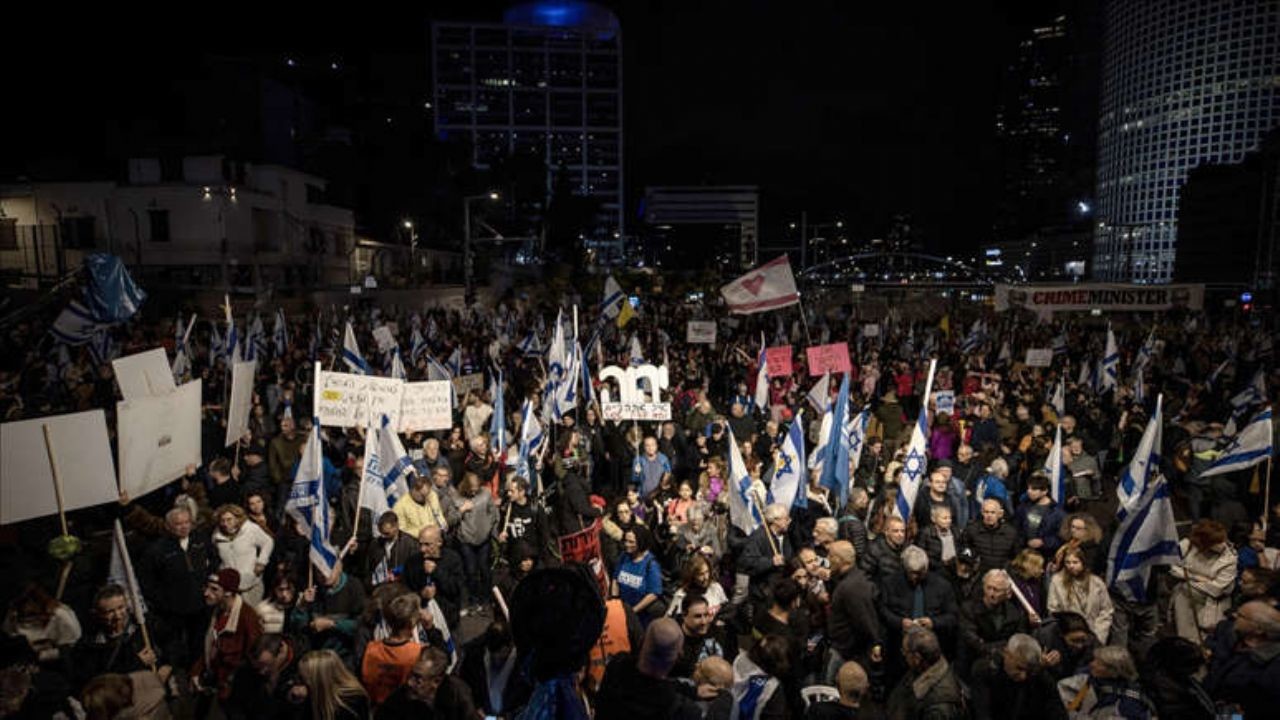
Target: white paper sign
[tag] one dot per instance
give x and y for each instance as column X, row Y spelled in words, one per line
column 870, row 331
column 159, row 438
column 944, row 401
column 426, row 406
column 467, row 383
column 1039, row 357
column 701, row 332
column 84, row 463
column 347, row 400
column 240, row 401
column 382, row 335
column 146, row 374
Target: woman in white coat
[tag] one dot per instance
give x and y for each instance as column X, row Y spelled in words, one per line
column 1202, row 595
column 1077, row 590
column 244, row 546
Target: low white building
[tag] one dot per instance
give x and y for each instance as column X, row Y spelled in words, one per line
column 206, row 222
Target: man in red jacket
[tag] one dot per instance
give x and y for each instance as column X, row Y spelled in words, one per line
column 233, row 629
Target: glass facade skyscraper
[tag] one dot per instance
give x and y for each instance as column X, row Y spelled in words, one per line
column 1185, row 83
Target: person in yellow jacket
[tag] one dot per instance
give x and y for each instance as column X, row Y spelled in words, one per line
column 421, row 508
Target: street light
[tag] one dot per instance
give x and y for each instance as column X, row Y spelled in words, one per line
column 413, row 245
column 467, row 261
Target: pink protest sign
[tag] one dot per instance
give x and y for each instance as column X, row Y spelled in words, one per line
column 779, row 360
column 833, row 357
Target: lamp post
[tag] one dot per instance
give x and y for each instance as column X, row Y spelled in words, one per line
column 413, row 245
column 468, row 262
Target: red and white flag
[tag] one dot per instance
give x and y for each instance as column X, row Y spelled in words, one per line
column 768, row 287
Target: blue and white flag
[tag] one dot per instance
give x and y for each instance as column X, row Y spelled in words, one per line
column 557, row 352
column 531, row 438
column 1060, row 345
column 835, row 466
column 498, row 420
column 1254, row 394
column 1147, row 537
column 417, row 346
column 1110, row 374
column 1059, row 400
column 351, row 353
column 454, row 363
column 762, row 380
column 1054, row 470
column 308, row 505
column 1145, row 353
column 1144, row 465
column 744, row 512
column 584, row 367
column 103, row 347
column 789, row 483
column 76, row 325
column 635, row 353
column 1212, row 380
column 257, row 346
column 916, row 463
column 397, row 365
column 974, row 339
column 611, row 305
column 1087, row 373
column 217, row 348
column 819, row 396
column 857, row 432
column 1139, row 387
column 529, row 346
column 280, row 334
column 120, row 572
column 1252, row 446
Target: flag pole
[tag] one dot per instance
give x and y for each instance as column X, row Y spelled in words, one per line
column 764, row 522
column 1266, row 495
column 62, row 514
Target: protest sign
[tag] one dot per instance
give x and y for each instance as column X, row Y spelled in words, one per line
column 944, row 401
column 1039, row 357
column 240, row 400
column 425, row 406
column 84, row 465
column 870, row 331
column 778, row 360
column 159, row 438
column 347, row 400
column 144, row 374
column 385, row 339
column 468, row 383
column 824, row 358
column 701, row 332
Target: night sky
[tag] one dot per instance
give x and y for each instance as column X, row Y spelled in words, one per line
column 846, row 110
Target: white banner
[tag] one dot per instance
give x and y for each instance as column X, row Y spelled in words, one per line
column 346, row 400
column 871, row 330
column 701, row 332
column 382, row 335
column 635, row 411
column 944, row 401
column 768, row 287
column 1043, row 299
column 145, row 374
column 159, row 438
column 84, row 464
column 425, row 406
column 1039, row 357
column 240, row 400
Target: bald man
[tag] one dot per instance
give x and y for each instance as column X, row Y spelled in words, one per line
column 638, row 686
column 853, row 625
column 1245, row 667
column 851, row 681
column 435, row 573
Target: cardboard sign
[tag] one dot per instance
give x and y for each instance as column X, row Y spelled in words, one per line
column 146, row 374
column 240, row 401
column 701, row 332
column 347, row 400
column 159, row 438
column 944, row 401
column 824, row 358
column 778, row 360
column 1039, row 357
column 464, row 383
column 425, row 406
column 382, row 335
column 84, row 463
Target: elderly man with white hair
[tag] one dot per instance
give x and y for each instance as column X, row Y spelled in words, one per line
column 916, row 598
column 766, row 552
column 987, row 622
column 1013, row 686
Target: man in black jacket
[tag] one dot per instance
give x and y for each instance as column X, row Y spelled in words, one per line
column 994, row 540
column 637, row 686
column 576, row 511
column 263, row 689
column 986, row 623
column 766, row 552
column 390, row 552
column 490, row 668
column 1011, row 685
column 435, row 573
column 930, row 688
column 916, row 598
column 883, row 558
column 173, row 572
column 115, row 643
column 852, row 626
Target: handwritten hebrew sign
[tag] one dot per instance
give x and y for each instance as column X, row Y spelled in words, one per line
column 425, row 406
column 640, row 393
column 347, row 400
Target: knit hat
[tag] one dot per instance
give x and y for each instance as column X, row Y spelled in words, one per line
column 226, row 578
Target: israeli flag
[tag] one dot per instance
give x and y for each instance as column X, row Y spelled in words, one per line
column 1085, row 379
column 611, row 305
column 857, row 432
column 1053, row 469
column 351, row 353
column 818, row 457
column 973, row 340
column 454, row 363
column 417, row 346
column 386, row 470
column 835, row 466
column 1110, row 363
column 280, row 334
column 217, row 348
column 1060, row 398
column 1142, row 467
column 743, row 510
column 819, row 395
column 1254, row 394
column 1060, row 345
column 557, row 352
column 308, row 505
column 397, row 365
column 634, row 351
column 1252, row 446
column 588, row 390
column 529, row 346
column 916, row 463
column 762, row 380
column 1145, row 353
column 789, row 484
column 1147, row 537
column 531, row 438
column 437, row 372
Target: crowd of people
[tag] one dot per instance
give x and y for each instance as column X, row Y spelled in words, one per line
column 991, row 600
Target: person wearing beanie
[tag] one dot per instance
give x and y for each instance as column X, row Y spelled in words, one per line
column 233, row 628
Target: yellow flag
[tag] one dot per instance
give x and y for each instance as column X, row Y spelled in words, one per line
column 626, row 313
column 945, row 326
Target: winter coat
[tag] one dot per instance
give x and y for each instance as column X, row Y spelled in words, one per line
column 1090, row 599
column 852, row 625
column 984, row 630
column 173, row 579
column 995, row 546
column 249, row 547
column 1199, row 605
column 1040, row 522
column 883, row 560
column 997, row 697
column 756, row 560
column 930, row 540
column 930, row 695
column 897, row 598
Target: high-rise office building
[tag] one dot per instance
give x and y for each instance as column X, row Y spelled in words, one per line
column 1185, row 83
column 546, row 85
